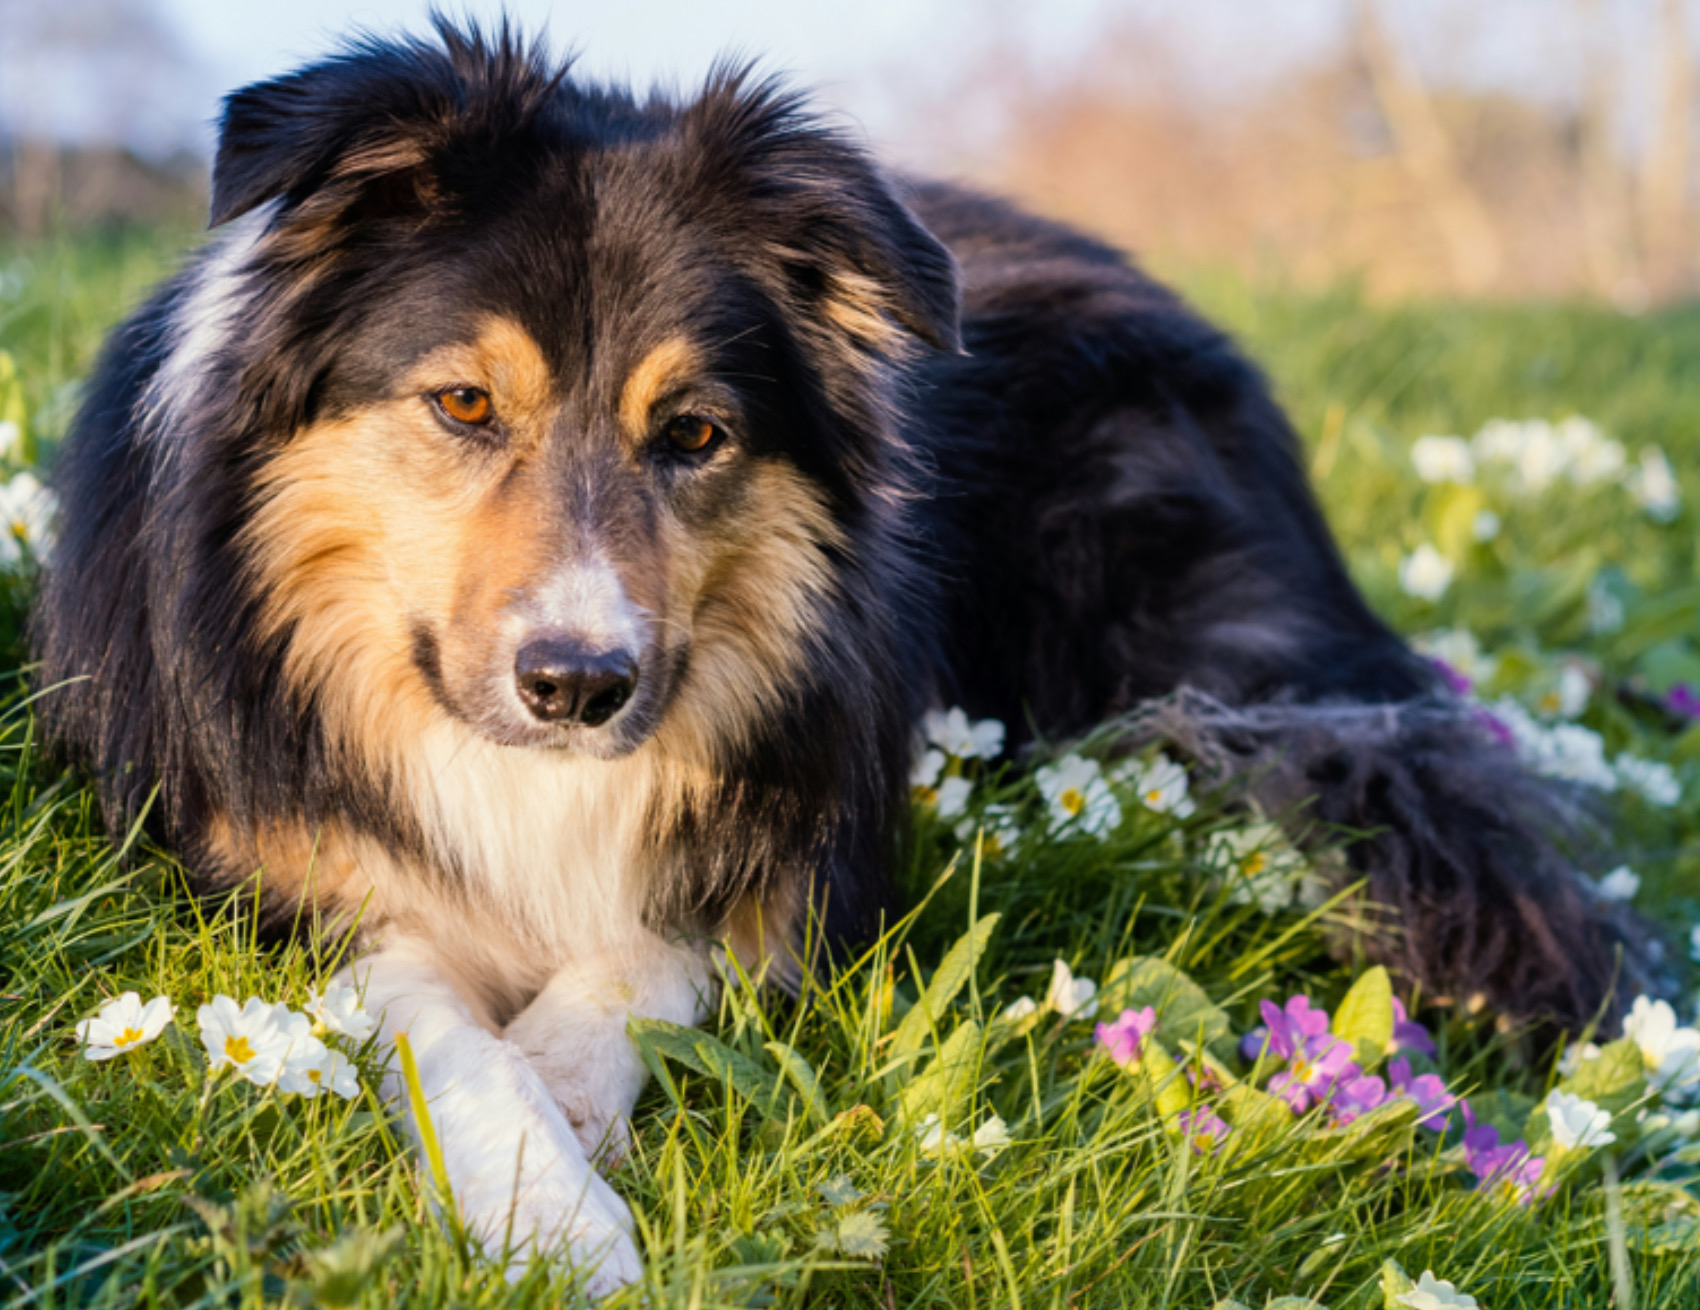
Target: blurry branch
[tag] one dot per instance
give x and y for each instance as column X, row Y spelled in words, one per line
column 1471, row 243
column 1664, row 179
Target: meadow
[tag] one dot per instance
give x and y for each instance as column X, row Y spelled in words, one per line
column 942, row 1122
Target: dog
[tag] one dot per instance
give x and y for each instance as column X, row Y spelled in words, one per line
column 533, row 526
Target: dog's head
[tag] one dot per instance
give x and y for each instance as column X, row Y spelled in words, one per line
column 561, row 413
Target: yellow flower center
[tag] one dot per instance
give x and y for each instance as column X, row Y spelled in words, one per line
column 927, row 795
column 1072, row 800
column 1254, row 864
column 1550, row 702
column 238, row 1049
column 129, row 1037
column 312, row 1075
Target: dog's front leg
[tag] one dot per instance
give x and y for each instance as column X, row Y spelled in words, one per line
column 574, row 1032
column 514, row 1164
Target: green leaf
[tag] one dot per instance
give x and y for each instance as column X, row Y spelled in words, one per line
column 1184, row 1012
column 707, row 1055
column 950, row 977
column 860, row 1236
column 1294, row 1303
column 1365, row 1016
column 948, row 1080
column 801, row 1076
column 1615, row 1080
column 1168, row 1084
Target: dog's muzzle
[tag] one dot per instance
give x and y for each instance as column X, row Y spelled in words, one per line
column 562, row 681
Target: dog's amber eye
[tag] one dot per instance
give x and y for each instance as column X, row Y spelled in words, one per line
column 466, row 405
column 692, row 433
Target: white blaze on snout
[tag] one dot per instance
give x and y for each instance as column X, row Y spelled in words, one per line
column 584, row 602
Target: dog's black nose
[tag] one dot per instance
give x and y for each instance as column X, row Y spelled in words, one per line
column 562, row 682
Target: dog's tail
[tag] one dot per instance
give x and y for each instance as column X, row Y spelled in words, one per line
column 1464, row 847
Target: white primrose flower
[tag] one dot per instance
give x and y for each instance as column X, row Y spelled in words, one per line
column 123, row 1024
column 1670, row 1052
column 1654, row 486
column 1079, row 797
column 991, row 1137
column 1069, row 996
column 999, row 832
column 1022, row 1007
column 27, row 511
column 1262, row 868
column 339, row 1011
column 1593, row 456
column 11, row 436
column 1160, row 785
column 1443, row 459
column 953, row 796
column 1425, row 573
column 1433, row 1293
column 933, row 1138
column 1654, row 781
column 1486, row 525
column 1578, row 1124
column 924, row 772
column 315, row 1068
column 955, row 734
column 1620, row 884
column 1575, row 1056
column 256, row 1039
column 1459, row 648
column 1569, row 696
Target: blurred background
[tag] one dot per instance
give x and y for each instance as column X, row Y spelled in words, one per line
column 1420, row 148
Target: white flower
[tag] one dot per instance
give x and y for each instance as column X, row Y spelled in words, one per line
column 953, row 733
column 934, row 1140
column 315, row 1068
column 1262, row 868
column 1654, row 781
column 256, row 1040
column 1670, row 1052
column 1569, row 697
column 1578, row 1124
column 1078, row 796
column 1694, row 943
column 953, row 797
column 1433, row 1293
column 1654, row 485
column 1575, row 1056
column 1593, row 457
column 1605, row 610
column 999, row 832
column 1620, row 884
column 924, row 773
column 27, row 511
column 1565, row 750
column 1021, row 1008
column 123, row 1024
column 1486, row 525
column 10, row 435
column 1443, row 459
column 1425, row 573
column 1160, row 785
column 1069, row 996
column 1459, row 648
column 991, row 1137
column 339, row 1011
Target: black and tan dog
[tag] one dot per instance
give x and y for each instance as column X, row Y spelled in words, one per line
column 538, row 519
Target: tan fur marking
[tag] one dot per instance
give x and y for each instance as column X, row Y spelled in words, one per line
column 668, row 364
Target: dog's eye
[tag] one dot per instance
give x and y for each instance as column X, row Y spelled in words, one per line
column 469, row 405
column 692, row 433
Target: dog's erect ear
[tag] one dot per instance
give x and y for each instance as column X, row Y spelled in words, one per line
column 842, row 236
column 376, row 111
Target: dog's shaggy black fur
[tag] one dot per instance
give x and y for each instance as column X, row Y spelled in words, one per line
column 1054, row 494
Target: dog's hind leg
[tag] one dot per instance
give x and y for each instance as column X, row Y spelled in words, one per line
column 515, row 1167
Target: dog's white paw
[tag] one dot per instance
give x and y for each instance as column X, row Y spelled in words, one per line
column 551, row 1211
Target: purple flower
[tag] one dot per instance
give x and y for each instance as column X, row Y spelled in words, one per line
column 1123, row 1037
column 1355, row 1094
column 1455, row 681
column 1251, row 1045
column 1683, row 700
column 1204, row 1128
column 1315, row 1059
column 1427, row 1090
column 1508, row 1169
column 1408, row 1034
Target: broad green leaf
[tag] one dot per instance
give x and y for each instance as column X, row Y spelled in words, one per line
column 952, row 974
column 707, row 1055
column 1184, row 1012
column 1168, row 1084
column 948, row 1079
column 802, row 1076
column 1615, row 1080
column 1395, row 1283
column 1365, row 1017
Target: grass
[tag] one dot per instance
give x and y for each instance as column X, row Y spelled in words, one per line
column 777, row 1160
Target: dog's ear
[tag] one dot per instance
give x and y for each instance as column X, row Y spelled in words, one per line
column 841, row 235
column 366, row 123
